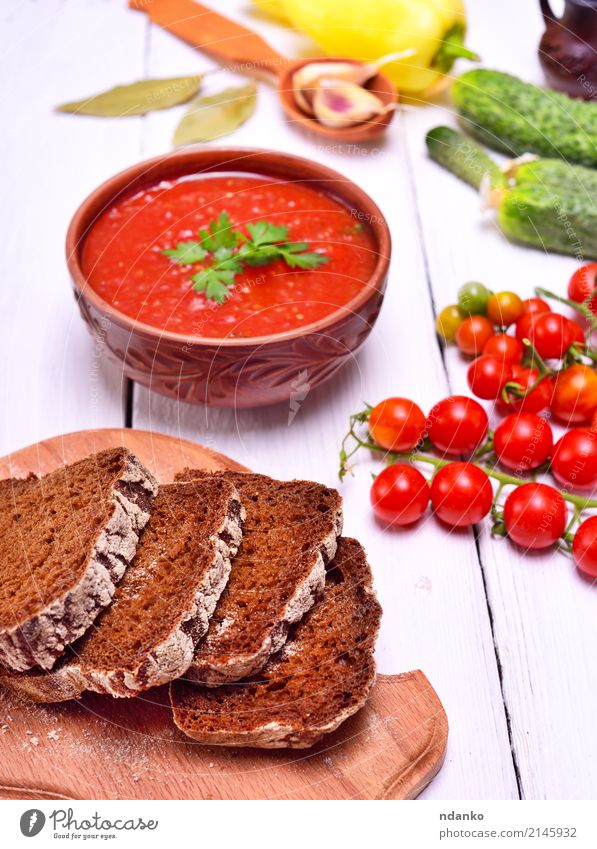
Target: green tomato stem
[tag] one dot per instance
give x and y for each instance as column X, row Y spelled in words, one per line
column 583, row 309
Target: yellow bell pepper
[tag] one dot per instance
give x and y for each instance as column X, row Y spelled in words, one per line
column 272, row 9
column 370, row 29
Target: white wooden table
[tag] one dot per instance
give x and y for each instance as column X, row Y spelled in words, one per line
column 507, row 640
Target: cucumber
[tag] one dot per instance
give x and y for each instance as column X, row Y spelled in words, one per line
column 510, row 115
column 463, row 157
column 560, row 175
column 547, row 218
column 550, row 204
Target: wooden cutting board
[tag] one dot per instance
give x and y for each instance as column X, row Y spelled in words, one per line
column 104, row 748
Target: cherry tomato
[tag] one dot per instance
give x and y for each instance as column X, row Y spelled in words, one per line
column 582, row 285
column 584, row 547
column 504, row 308
column 487, row 376
column 535, row 305
column 535, row 515
column 397, row 424
column 577, row 334
column 457, row 425
column 473, row 298
column 400, row 494
column 574, row 461
column 473, row 334
column 461, row 494
column 523, row 441
column 575, row 394
column 550, row 334
column 504, row 347
column 448, row 322
column 538, row 398
column 525, row 324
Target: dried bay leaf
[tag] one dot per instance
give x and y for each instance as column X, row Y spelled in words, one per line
column 137, row 98
column 213, row 116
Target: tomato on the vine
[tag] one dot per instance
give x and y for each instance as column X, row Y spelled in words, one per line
column 577, row 334
column 504, row 308
column 535, row 515
column 584, row 547
column 525, row 324
column 396, row 424
column 448, row 321
column 574, row 461
column 400, row 494
column 487, row 376
column 461, row 494
column 538, row 399
column 535, row 305
column 473, row 334
column 582, row 286
column 457, row 425
column 523, row 441
column 504, row 347
column 575, row 394
column 550, row 334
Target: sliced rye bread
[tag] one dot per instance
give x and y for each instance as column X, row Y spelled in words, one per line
column 65, row 542
column 162, row 606
column 322, row 675
column 289, row 535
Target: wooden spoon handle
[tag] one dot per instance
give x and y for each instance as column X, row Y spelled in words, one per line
column 225, row 40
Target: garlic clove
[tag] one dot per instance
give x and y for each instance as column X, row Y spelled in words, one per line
column 308, row 76
column 341, row 104
column 351, row 72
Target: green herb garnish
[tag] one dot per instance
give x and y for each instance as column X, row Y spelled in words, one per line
column 229, row 251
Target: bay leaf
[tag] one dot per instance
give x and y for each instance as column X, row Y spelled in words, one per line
column 212, row 116
column 137, row 98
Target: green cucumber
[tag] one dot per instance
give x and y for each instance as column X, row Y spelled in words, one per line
column 510, row 115
column 463, row 157
column 549, row 204
column 546, row 218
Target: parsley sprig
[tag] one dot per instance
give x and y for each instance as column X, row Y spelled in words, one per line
column 228, row 251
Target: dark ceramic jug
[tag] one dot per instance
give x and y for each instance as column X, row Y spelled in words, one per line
column 568, row 49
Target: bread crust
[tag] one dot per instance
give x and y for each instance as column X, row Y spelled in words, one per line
column 41, row 639
column 166, row 660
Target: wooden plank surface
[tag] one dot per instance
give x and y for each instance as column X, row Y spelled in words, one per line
column 108, row 748
column 438, row 589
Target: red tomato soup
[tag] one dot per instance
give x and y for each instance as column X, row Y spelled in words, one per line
column 124, row 263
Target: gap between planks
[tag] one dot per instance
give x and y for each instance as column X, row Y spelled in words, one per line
column 427, row 268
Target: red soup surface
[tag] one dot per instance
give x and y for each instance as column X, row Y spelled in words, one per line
column 124, row 263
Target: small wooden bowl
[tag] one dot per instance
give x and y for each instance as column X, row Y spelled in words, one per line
column 237, row 372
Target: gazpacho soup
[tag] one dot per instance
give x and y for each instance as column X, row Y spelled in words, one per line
column 227, row 256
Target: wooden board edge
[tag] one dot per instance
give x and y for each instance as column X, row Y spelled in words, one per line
column 421, row 771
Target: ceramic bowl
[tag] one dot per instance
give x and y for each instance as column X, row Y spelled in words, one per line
column 237, row 372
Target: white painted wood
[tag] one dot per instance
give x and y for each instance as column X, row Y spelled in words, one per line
column 543, row 611
column 52, row 379
column 429, row 582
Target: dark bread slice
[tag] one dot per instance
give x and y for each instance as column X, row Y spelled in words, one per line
column 289, row 535
column 322, row 675
column 162, row 606
column 65, row 542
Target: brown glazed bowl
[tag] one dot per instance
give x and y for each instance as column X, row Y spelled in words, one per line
column 236, row 372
